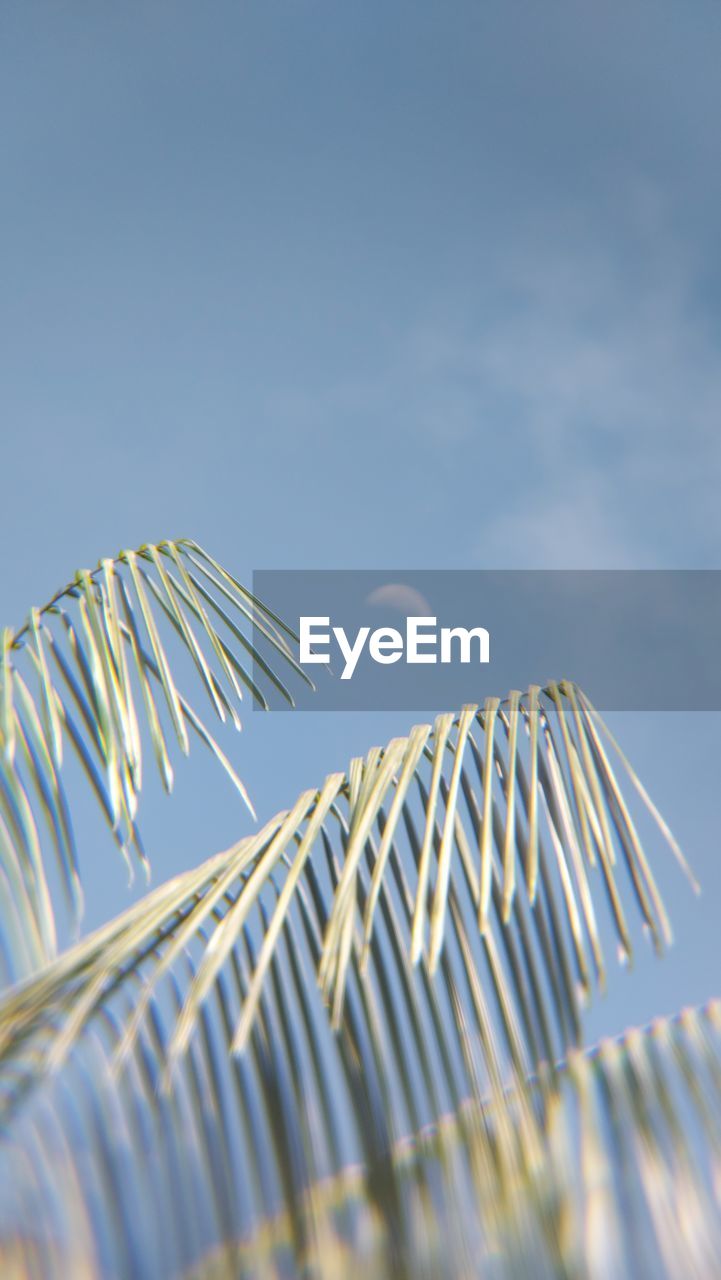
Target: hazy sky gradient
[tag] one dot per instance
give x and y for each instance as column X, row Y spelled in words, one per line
column 332, row 284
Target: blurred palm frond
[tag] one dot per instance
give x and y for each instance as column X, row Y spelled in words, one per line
column 324, row 1155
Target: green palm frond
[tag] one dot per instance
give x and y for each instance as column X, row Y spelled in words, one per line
column 350, row 1042
column 94, row 671
column 410, row 834
column 299, row 1158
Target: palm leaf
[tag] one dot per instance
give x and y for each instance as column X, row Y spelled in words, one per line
column 360, row 848
column 411, row 1094
column 102, row 656
column 297, row 1158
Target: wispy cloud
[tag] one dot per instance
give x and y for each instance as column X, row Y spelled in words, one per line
column 605, row 371
column 575, row 403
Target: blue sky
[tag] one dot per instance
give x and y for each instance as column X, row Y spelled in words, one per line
column 365, row 285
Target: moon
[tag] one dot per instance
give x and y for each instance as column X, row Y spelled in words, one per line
column 400, row 596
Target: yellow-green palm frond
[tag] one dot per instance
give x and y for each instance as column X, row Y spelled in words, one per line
column 396, row 856
column 94, row 672
column 350, row 1041
column 321, row 1154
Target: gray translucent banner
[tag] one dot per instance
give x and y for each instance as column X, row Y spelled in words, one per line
column 633, row 639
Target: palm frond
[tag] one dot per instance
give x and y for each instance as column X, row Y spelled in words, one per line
column 409, row 834
column 297, row 1158
column 102, row 656
column 295, row 1077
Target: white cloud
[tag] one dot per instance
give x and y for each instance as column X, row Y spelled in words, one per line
column 606, row 373
column 572, row 398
